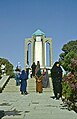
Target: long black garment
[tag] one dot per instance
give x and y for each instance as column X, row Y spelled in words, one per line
column 33, row 69
column 56, row 74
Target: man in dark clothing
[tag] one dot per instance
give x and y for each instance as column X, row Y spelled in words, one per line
column 56, row 74
column 33, row 68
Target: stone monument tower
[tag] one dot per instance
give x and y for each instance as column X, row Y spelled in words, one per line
column 38, row 48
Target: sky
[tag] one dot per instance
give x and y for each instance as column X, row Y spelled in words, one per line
column 19, row 19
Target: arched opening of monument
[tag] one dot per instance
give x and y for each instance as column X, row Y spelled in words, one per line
column 47, row 54
column 29, row 54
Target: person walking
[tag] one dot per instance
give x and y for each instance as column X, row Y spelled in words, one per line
column 45, row 81
column 33, row 68
column 17, row 76
column 56, row 74
column 23, row 86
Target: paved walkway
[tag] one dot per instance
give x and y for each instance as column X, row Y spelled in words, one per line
column 33, row 106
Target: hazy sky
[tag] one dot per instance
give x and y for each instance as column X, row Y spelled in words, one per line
column 19, row 19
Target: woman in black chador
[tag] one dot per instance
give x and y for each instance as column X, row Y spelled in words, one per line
column 56, row 74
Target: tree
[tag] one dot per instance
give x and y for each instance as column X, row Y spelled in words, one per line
column 69, row 53
column 8, row 67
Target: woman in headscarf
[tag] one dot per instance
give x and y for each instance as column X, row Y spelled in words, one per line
column 45, row 81
column 56, row 74
column 38, row 77
column 23, row 86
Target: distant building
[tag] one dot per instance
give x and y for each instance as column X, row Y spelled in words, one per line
column 38, row 48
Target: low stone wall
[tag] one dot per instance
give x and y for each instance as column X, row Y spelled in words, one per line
column 3, row 82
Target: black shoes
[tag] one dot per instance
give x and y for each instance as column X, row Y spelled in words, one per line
column 24, row 93
column 57, row 96
column 53, row 97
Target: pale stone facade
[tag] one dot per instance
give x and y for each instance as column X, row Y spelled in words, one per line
column 36, row 49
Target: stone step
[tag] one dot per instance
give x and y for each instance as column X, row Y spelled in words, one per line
column 31, row 85
column 11, row 86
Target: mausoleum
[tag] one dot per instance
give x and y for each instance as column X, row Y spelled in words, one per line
column 38, row 48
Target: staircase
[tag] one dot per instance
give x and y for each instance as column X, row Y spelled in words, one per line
column 31, row 86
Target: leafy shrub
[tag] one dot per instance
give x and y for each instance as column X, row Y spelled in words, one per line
column 69, row 82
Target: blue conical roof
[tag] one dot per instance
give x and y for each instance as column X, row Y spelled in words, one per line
column 38, row 33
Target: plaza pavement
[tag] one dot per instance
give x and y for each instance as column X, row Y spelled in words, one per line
column 32, row 106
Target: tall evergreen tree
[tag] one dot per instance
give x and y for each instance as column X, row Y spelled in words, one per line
column 69, row 53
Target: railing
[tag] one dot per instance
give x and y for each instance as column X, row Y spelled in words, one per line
column 3, row 82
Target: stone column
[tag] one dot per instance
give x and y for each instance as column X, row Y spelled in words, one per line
column 51, row 53
column 38, row 50
column 43, row 54
column 25, row 54
column 32, row 50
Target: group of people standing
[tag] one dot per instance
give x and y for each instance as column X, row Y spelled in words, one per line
column 42, row 79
